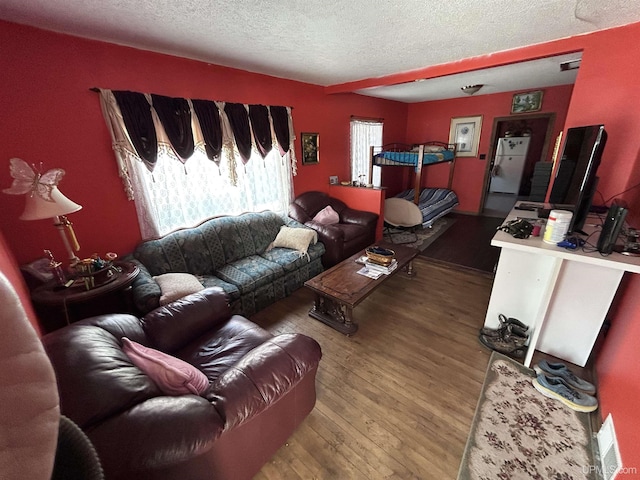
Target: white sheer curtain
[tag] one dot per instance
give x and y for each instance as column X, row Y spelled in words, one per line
column 180, row 194
column 177, row 195
column 364, row 135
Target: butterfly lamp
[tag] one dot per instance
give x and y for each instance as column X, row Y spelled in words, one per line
column 44, row 200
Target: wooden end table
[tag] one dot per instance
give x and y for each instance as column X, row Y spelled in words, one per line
column 340, row 289
column 58, row 306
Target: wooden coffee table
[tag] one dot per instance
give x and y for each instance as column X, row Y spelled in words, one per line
column 340, row 289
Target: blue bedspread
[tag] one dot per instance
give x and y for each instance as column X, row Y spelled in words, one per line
column 433, row 203
column 411, row 158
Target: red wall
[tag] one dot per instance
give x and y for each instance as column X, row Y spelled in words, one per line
column 367, row 199
column 606, row 92
column 618, row 368
column 49, row 115
column 432, row 121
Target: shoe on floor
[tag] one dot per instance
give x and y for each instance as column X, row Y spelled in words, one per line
column 555, row 387
column 511, row 347
column 562, row 371
column 512, row 321
column 504, row 329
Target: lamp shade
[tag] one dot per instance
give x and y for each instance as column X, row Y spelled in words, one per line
column 37, row 208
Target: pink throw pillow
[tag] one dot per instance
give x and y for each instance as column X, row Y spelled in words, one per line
column 172, row 375
column 327, row 216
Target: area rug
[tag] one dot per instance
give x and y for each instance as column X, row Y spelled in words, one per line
column 517, row 433
column 423, row 236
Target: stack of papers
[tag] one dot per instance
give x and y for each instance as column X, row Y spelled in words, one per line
column 369, row 272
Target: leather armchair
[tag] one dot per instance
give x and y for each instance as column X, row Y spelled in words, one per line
column 355, row 231
column 261, row 387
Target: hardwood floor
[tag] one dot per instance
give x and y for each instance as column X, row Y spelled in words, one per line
column 467, row 244
column 396, row 399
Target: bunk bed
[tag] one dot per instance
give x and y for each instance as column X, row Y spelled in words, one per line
column 433, row 203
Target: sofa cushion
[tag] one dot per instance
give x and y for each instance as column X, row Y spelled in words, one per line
column 171, row 327
column 250, row 273
column 180, row 251
column 327, row 216
column 172, row 375
column 176, row 285
column 350, row 231
column 218, row 350
column 244, row 235
column 229, row 288
column 291, row 260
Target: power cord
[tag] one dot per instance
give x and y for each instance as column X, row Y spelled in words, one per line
column 625, row 191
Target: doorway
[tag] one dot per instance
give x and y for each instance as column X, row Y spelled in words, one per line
column 512, row 183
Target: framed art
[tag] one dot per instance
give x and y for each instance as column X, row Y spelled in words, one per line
column 310, row 148
column 465, row 133
column 527, row 102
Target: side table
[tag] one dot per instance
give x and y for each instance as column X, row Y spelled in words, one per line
column 58, row 306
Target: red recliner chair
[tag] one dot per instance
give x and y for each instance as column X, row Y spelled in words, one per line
column 261, row 387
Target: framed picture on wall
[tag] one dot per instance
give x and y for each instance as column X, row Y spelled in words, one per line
column 527, row 102
column 465, row 133
column 310, row 147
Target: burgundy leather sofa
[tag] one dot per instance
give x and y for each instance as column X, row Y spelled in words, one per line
column 355, row 231
column 261, row 388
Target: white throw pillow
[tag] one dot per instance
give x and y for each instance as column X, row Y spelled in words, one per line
column 295, row 238
column 176, row 285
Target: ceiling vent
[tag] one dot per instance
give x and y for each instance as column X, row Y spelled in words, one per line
column 570, row 65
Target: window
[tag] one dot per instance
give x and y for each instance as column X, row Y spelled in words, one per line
column 184, row 161
column 177, row 195
column 364, row 134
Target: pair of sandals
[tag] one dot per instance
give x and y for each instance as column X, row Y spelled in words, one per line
column 509, row 338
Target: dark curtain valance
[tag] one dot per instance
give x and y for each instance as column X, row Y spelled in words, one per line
column 136, row 114
column 209, row 119
column 235, row 124
column 175, row 116
column 280, row 119
column 259, row 116
column 239, row 122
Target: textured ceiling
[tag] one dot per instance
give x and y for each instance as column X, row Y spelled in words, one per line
column 541, row 73
column 324, row 42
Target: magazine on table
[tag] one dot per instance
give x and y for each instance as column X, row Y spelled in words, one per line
column 368, row 272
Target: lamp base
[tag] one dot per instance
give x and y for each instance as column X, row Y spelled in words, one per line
column 62, row 224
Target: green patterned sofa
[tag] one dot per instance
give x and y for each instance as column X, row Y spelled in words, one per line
column 227, row 252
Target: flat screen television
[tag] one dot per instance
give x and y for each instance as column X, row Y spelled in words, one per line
column 575, row 183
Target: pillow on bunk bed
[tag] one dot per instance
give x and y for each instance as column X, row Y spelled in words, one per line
column 433, row 149
column 428, row 149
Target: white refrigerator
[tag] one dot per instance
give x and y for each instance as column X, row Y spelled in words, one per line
column 508, row 164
